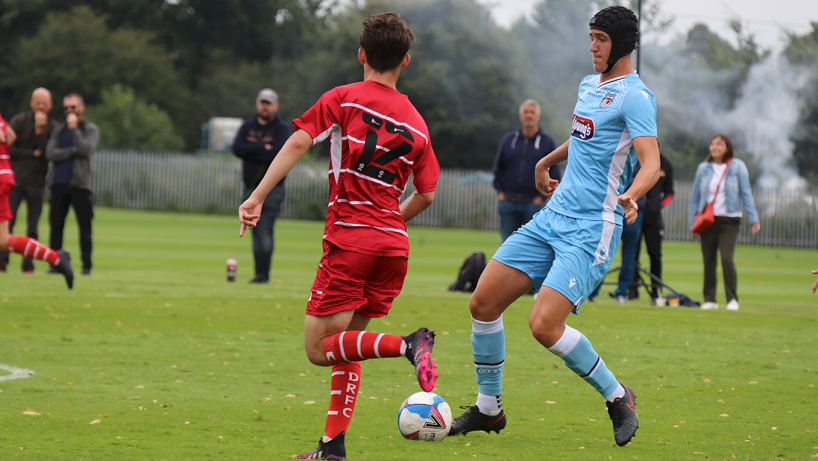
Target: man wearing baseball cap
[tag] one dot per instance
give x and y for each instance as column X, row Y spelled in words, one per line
column 257, row 143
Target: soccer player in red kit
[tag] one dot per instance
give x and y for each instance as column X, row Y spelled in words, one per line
column 25, row 246
column 378, row 139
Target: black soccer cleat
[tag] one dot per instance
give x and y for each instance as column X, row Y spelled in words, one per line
column 473, row 420
column 623, row 416
column 332, row 450
column 419, row 352
column 64, row 267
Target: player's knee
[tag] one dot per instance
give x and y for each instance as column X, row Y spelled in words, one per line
column 316, row 356
column 480, row 308
column 544, row 330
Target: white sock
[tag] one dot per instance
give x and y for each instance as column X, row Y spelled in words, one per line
column 617, row 394
column 490, row 405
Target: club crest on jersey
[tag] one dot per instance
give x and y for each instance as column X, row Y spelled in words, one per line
column 607, row 100
column 582, row 128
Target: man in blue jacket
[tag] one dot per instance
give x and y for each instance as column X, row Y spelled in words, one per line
column 519, row 151
column 257, row 143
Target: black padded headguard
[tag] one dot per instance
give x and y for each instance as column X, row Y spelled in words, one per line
column 622, row 26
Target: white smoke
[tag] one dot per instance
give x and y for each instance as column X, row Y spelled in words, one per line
column 767, row 114
column 761, row 120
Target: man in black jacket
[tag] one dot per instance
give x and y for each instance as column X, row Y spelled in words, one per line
column 30, row 166
column 257, row 143
column 517, row 196
column 653, row 226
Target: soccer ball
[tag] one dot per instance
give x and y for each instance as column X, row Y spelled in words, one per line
column 425, row 416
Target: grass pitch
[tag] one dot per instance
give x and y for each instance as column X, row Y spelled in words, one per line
column 156, row 357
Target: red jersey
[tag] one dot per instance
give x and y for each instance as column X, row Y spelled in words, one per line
column 378, row 141
column 6, row 176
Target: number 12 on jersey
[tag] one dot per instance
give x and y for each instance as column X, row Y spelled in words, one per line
column 376, row 169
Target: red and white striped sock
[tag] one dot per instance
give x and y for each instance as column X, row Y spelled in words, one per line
column 346, row 382
column 31, row 248
column 352, row 346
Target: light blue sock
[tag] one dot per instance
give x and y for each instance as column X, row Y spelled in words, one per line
column 575, row 349
column 488, row 343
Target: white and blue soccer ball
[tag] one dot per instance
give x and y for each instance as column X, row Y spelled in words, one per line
column 425, row 416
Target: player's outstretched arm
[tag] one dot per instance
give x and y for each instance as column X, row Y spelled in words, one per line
column 647, row 151
column 545, row 184
column 290, row 154
column 415, row 204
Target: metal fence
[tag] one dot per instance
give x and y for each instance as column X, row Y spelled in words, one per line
column 464, row 199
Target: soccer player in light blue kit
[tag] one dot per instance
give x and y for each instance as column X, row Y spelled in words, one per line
column 568, row 246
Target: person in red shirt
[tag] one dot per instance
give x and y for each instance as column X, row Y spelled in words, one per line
column 25, row 246
column 378, row 140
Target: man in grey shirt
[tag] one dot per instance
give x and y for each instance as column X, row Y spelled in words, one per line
column 69, row 150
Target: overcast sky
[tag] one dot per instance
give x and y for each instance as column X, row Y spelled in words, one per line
column 764, row 18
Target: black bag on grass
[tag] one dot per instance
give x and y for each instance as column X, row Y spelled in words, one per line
column 469, row 272
column 680, row 300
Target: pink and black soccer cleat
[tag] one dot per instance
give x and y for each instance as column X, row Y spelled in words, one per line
column 419, row 352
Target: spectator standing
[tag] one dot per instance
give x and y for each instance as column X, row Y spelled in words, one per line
column 26, row 246
column 653, row 225
column 69, row 150
column 30, row 166
column 728, row 195
column 518, row 199
column 257, row 143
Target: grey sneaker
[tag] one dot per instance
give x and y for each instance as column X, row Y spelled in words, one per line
column 624, row 417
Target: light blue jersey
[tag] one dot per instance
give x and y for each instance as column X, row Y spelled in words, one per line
column 601, row 157
column 570, row 244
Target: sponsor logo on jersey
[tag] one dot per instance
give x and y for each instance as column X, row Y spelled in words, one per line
column 572, row 282
column 607, row 100
column 582, row 128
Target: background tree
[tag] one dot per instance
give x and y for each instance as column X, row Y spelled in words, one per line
column 126, row 122
column 75, row 51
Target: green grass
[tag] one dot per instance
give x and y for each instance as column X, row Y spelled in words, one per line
column 176, row 363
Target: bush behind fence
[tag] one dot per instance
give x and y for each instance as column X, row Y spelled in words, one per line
column 464, row 199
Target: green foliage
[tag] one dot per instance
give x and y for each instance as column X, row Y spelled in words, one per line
column 127, row 122
column 75, row 51
column 462, row 81
column 176, row 363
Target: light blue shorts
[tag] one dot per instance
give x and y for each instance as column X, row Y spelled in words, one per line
column 567, row 254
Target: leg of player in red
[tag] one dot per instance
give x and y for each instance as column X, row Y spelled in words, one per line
column 350, row 289
column 27, row 246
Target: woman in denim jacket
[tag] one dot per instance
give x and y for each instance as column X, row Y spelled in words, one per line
column 734, row 193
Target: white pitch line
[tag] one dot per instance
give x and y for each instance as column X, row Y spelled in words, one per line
column 16, row 373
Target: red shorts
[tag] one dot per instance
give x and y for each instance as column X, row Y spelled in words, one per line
column 5, row 211
column 348, row 280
